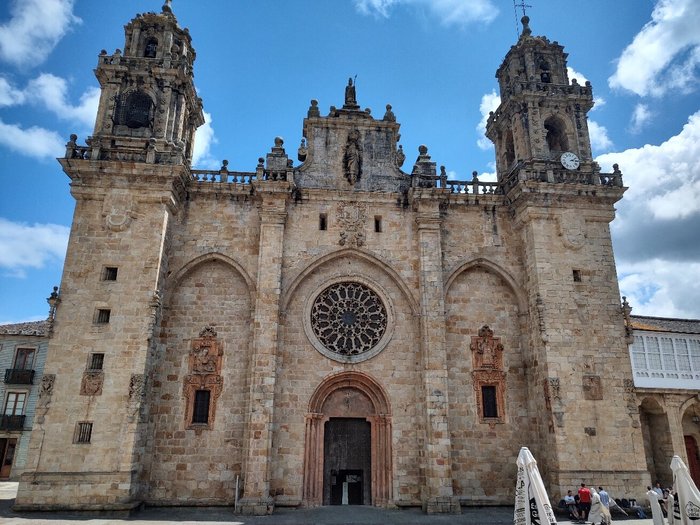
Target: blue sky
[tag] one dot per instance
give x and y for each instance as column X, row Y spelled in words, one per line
column 260, row 63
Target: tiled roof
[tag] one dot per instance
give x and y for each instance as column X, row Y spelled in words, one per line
column 38, row 328
column 665, row 324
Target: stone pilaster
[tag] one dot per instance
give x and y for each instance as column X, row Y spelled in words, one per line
column 675, row 425
column 273, row 215
column 438, row 496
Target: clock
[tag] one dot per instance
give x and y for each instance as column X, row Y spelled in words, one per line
column 569, row 160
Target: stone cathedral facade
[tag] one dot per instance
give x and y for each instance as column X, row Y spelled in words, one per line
column 342, row 328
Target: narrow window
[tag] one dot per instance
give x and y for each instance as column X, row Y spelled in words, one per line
column 83, row 432
column 102, row 316
column 14, row 406
column 24, row 359
column 322, row 222
column 96, row 361
column 577, row 276
column 378, row 223
column 488, row 398
column 200, row 414
column 109, row 273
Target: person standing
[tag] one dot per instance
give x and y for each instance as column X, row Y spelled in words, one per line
column 656, row 514
column 584, row 494
column 604, row 497
column 595, row 515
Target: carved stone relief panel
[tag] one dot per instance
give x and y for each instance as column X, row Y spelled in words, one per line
column 46, row 389
column 572, row 229
column 92, row 383
column 592, row 388
column 487, row 350
column 352, row 217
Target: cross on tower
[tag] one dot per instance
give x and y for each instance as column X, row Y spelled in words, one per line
column 522, row 5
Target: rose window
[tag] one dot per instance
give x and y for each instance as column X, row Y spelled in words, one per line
column 348, row 318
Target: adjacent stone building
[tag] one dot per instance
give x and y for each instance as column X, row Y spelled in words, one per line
column 23, row 349
column 336, row 330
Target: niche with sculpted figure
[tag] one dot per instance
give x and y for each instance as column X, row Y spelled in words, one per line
column 203, row 383
column 488, row 377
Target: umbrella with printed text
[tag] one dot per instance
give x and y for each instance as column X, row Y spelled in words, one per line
column 532, row 505
column 686, row 507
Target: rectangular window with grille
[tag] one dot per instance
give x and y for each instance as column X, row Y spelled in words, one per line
column 200, row 414
column 109, row 273
column 83, row 432
column 96, row 361
column 488, row 399
column 102, row 316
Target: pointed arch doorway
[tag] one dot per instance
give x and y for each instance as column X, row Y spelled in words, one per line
column 347, row 448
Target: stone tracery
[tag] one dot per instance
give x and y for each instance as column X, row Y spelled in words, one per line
column 348, row 318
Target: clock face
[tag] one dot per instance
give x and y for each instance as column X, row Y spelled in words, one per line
column 569, row 161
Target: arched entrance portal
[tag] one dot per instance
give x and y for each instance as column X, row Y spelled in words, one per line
column 349, row 415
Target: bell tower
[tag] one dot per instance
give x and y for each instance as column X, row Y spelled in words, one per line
column 149, row 109
column 130, row 184
column 541, row 122
column 561, row 206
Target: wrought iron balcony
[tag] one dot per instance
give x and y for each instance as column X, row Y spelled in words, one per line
column 12, row 422
column 19, row 376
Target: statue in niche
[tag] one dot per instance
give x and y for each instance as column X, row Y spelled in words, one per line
column 352, row 159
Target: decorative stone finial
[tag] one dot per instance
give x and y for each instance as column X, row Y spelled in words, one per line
column 400, row 156
column 526, row 27
column 423, row 149
column 313, row 109
column 224, row 165
column 279, row 142
column 53, row 301
column 167, row 7
column 389, row 115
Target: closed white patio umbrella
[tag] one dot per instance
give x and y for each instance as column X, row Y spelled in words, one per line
column 686, row 509
column 532, row 505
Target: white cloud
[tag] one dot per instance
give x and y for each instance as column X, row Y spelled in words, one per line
column 32, row 142
column 573, row 74
column 489, row 102
column 9, row 95
column 661, row 288
column 665, row 54
column 450, row 12
column 24, row 246
column 640, row 117
column 599, row 136
column 34, row 29
column 203, row 139
column 657, row 230
column 52, row 92
column 658, row 176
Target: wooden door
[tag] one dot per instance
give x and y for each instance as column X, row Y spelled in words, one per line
column 347, row 462
column 691, row 450
column 7, row 453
